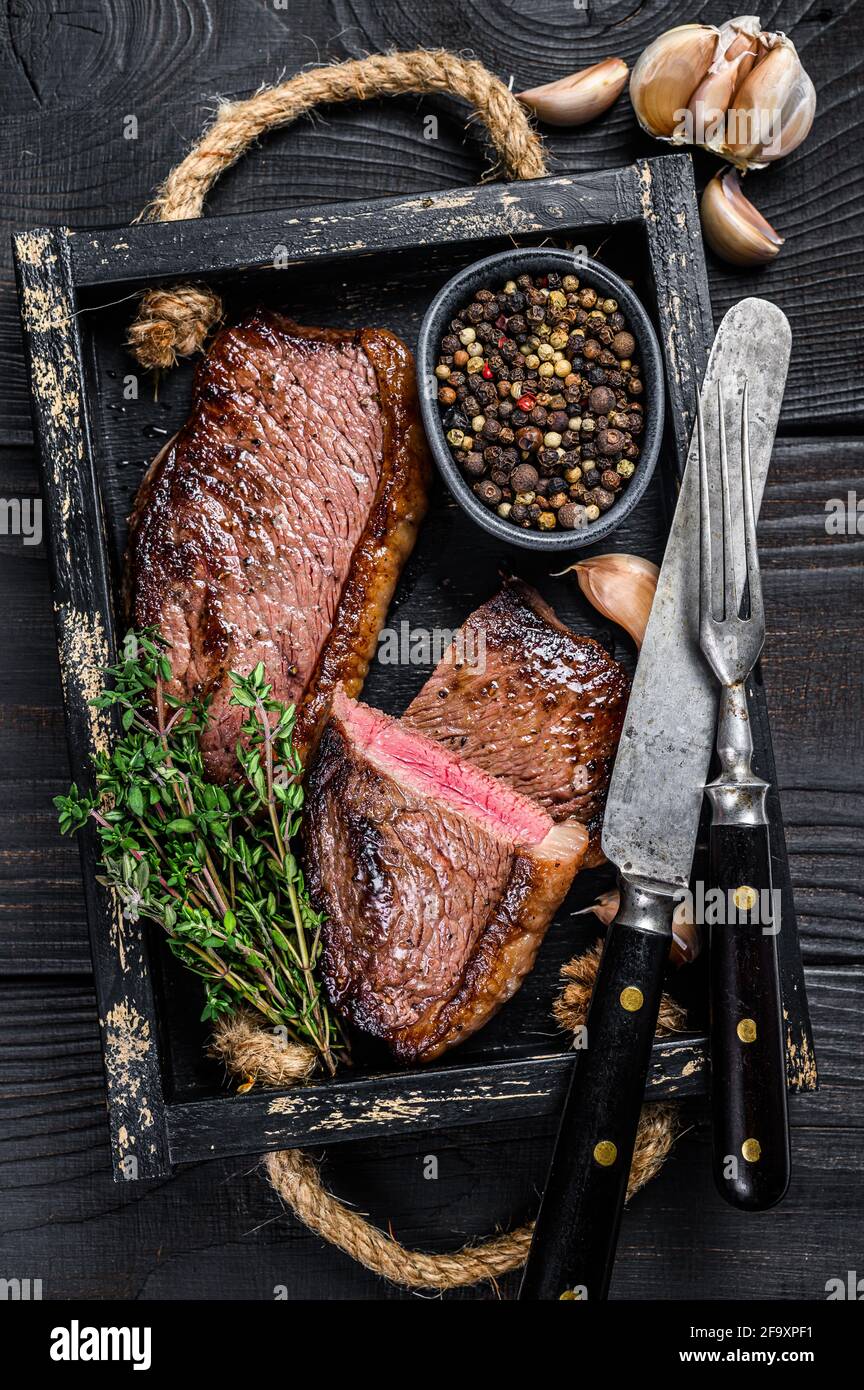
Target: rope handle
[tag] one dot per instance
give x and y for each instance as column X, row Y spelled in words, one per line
column 174, row 322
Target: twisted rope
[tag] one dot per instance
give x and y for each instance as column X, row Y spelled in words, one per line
column 175, row 322
column 241, row 1045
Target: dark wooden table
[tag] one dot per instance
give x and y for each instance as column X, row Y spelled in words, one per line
column 69, row 80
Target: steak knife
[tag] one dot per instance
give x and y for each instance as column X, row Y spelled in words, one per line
column 649, row 833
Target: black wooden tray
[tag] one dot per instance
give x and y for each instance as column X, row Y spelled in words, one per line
column 98, row 422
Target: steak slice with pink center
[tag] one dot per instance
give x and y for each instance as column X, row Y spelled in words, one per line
column 275, row 525
column 438, row 881
column 531, row 702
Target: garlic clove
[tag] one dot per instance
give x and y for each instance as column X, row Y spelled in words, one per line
column 734, row 229
column 581, row 96
column 774, row 107
column 686, row 936
column 667, row 75
column 797, row 118
column 604, row 908
column 621, row 587
column 738, row 51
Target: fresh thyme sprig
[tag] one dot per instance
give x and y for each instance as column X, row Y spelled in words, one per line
column 213, row 865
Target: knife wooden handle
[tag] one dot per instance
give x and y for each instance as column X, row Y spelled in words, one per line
column 748, row 1062
column 574, row 1242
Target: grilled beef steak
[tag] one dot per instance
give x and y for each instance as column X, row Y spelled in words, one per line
column 274, row 526
column 529, row 701
column 438, row 881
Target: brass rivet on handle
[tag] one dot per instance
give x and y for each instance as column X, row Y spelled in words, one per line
column 605, row 1153
column 745, row 898
column 631, row 999
column 746, row 1030
column 752, row 1150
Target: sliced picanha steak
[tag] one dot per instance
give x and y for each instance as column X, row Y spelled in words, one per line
column 438, row 881
column 274, row 526
column 529, row 701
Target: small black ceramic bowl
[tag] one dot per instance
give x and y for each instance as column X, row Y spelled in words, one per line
column 490, row 273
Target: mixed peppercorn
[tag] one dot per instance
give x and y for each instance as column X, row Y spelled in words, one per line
column 538, row 387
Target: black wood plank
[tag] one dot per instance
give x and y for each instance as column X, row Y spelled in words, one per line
column 391, row 1103
column 85, row 645
column 216, row 1231
column 67, row 80
column 66, row 143
column 214, row 245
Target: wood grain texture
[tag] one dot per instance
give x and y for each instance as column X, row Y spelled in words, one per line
column 85, row 645
column 67, row 79
column 72, row 152
column 217, row 1231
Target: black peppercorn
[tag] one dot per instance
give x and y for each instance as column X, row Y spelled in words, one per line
column 571, row 516
column 601, row 400
column 610, row 441
column 524, row 478
column 488, row 492
column 529, row 438
column 508, row 454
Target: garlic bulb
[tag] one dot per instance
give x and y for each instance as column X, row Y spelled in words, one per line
column 580, row 97
column 735, row 230
column 737, row 90
column 621, row 587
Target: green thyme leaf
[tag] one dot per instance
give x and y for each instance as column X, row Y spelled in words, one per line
column 211, row 865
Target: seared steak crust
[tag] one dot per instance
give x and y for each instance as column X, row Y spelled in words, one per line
column 542, row 708
column 275, row 525
column 433, row 917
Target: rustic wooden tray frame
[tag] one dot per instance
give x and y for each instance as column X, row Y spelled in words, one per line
column 55, row 268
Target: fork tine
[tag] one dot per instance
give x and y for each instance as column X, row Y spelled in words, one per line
column 730, row 592
column 705, row 587
column 751, row 553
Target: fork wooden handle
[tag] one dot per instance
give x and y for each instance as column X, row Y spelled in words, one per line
column 748, row 1056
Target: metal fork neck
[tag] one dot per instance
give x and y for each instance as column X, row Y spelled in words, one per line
column 737, row 795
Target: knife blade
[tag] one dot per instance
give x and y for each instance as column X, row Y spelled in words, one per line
column 651, row 821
